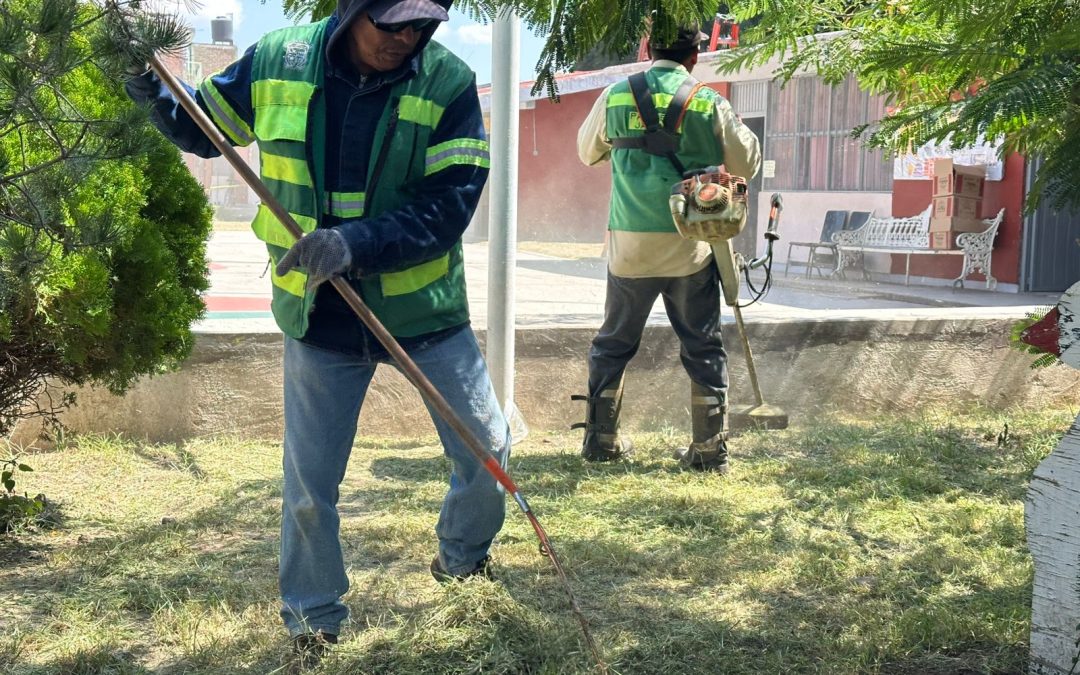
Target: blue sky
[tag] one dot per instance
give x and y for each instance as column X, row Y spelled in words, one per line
column 466, row 38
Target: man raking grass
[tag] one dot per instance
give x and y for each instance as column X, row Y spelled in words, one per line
column 373, row 157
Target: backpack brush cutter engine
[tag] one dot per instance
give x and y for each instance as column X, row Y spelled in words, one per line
column 711, row 205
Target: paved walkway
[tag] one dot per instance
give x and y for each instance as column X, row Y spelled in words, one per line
column 553, row 291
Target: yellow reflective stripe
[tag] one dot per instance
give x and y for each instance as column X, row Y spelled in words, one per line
column 701, row 105
column 294, row 282
column 348, row 212
column 468, row 151
column 285, row 169
column 621, row 100
column 281, row 92
column 414, row 278
column 226, row 119
column 420, row 111
column 661, row 101
column 281, row 122
column 345, row 211
column 345, row 204
column 281, row 109
column 474, row 143
column 270, row 230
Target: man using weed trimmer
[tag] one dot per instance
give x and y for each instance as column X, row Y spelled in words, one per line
column 371, row 137
column 656, row 128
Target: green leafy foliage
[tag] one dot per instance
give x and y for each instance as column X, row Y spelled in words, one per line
column 22, row 512
column 956, row 70
column 571, row 29
column 102, row 228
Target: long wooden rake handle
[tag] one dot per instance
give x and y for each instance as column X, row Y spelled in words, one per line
column 408, row 366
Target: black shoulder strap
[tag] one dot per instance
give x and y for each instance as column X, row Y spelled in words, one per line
column 651, row 119
column 677, row 108
column 643, row 99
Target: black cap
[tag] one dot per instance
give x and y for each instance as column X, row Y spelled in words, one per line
column 348, row 10
column 686, row 38
column 396, row 11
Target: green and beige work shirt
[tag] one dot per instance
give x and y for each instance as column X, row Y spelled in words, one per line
column 642, row 240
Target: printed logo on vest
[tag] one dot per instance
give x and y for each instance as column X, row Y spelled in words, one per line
column 636, row 124
column 296, row 55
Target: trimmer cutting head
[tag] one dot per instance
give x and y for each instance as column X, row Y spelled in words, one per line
column 766, row 417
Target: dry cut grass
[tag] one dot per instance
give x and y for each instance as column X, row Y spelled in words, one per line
column 570, row 250
column 854, row 546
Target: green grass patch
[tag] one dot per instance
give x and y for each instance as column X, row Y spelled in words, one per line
column 885, row 546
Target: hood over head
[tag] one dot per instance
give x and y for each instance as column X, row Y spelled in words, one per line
column 388, row 11
column 396, row 11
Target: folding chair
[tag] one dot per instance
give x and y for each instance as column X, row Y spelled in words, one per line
column 835, row 221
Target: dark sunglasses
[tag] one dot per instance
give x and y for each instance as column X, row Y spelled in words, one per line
column 418, row 25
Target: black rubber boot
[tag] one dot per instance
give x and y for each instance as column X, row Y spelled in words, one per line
column 602, row 442
column 708, row 414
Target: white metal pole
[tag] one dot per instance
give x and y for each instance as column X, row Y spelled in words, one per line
column 502, row 225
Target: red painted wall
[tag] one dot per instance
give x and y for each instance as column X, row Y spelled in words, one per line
column 911, row 197
column 559, row 198
column 723, row 87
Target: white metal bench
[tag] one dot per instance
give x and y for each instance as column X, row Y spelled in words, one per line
column 911, row 236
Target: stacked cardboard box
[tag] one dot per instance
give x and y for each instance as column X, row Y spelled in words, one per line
column 957, row 202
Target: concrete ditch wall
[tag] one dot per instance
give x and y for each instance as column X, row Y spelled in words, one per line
column 232, row 383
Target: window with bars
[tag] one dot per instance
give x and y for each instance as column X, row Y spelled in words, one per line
column 808, row 136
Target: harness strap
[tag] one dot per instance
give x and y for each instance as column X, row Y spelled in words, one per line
column 579, row 397
column 655, row 135
column 680, row 102
column 644, row 102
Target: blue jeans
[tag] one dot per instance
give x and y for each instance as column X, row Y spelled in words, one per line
column 324, row 390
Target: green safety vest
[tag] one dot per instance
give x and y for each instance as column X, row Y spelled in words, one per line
column 641, row 182
column 290, row 117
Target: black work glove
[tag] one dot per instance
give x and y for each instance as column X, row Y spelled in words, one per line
column 135, row 57
column 141, row 85
column 323, row 253
column 137, row 69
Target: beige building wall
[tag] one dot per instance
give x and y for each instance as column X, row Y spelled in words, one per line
column 804, row 214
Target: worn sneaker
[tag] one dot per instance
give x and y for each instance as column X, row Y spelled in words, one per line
column 482, row 569
column 309, row 648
